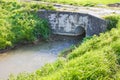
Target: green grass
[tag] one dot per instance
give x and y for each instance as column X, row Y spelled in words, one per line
column 82, row 2
column 97, row 58
column 19, row 23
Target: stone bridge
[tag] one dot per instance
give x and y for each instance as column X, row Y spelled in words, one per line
column 73, row 23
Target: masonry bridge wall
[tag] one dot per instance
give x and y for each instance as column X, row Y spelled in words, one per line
column 72, row 23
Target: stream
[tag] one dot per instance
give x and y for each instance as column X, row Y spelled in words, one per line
column 29, row 58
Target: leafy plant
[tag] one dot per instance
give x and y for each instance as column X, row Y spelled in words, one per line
column 113, row 21
column 19, row 23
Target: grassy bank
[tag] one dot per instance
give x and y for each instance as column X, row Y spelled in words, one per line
column 82, row 2
column 97, row 58
column 19, row 23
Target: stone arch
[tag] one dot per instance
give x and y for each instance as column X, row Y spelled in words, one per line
column 73, row 23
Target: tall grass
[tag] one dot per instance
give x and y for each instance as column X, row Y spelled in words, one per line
column 19, row 23
column 83, row 2
column 95, row 59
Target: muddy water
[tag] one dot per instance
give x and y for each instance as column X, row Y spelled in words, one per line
column 31, row 57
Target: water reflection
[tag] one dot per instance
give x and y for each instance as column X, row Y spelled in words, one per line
column 31, row 57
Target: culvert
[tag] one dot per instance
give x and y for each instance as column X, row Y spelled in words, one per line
column 73, row 23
